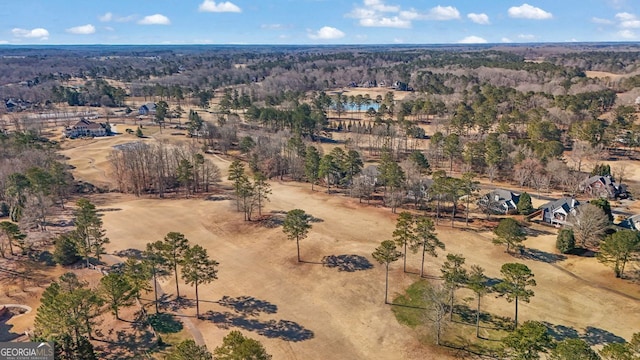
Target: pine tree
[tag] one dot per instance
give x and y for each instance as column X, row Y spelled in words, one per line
column 198, row 269
column 89, row 234
column 524, row 204
column 236, row 346
column 118, row 291
column 385, row 254
column 173, row 249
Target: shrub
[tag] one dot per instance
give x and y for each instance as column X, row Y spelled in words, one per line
column 566, row 242
column 66, row 252
column 524, row 204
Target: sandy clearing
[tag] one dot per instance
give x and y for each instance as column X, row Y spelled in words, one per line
column 604, row 74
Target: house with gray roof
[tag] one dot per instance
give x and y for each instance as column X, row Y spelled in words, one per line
column 631, row 223
column 556, row 212
column 500, row 201
column 147, row 109
column 600, row 186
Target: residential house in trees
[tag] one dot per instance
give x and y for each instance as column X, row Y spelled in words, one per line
column 556, row 212
column 84, row 128
column 600, row 186
column 500, row 201
column 632, row 223
column 147, row 109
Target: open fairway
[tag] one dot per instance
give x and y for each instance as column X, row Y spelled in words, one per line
column 308, row 310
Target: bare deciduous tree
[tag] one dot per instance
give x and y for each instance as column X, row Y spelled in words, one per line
column 589, row 223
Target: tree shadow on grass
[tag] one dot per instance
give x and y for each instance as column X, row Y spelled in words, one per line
column 488, row 321
column 543, row 256
column 595, row 336
column 348, row 263
column 129, row 253
column 248, row 305
column 592, row 335
column 281, row 329
column 165, row 303
column 165, row 323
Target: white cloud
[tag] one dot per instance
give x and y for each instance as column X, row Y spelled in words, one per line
column 443, row 13
column 526, row 11
column 126, row 18
column 272, row 26
column 472, row 40
column 156, row 19
column 527, row 37
column 106, row 17
column 482, row 19
column 109, row 28
column 224, row 6
column 378, row 5
column 506, row 40
column 398, row 41
column 393, row 22
column 601, row 21
column 632, row 24
column 327, row 33
column 628, row 21
column 374, row 13
column 37, row 33
column 625, row 16
column 82, row 29
column 3, row 42
column 627, row 34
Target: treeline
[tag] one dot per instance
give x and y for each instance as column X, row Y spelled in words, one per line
column 158, row 168
column 94, row 93
column 267, row 74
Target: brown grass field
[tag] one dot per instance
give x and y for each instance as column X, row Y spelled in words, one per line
column 307, row 310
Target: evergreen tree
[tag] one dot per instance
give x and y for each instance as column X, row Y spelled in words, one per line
column 426, row 239
column 404, row 234
column 261, row 191
column 604, row 204
column 67, row 308
column 509, row 233
column 477, row 282
column 236, row 346
column 239, row 178
column 524, row 204
column 89, row 234
column 173, row 249
column 189, row 350
column 154, row 256
column 66, row 252
column 454, row 275
column 312, row 165
column 117, row 290
column 12, row 235
column 565, row 242
column 385, row 254
column 618, row 249
column 296, row 226
column 527, row 342
column 573, row 349
column 198, row 269
column 514, row 285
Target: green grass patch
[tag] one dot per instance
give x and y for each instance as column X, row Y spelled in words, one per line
column 460, row 333
column 409, row 307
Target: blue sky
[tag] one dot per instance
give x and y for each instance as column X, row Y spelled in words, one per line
column 316, row 21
